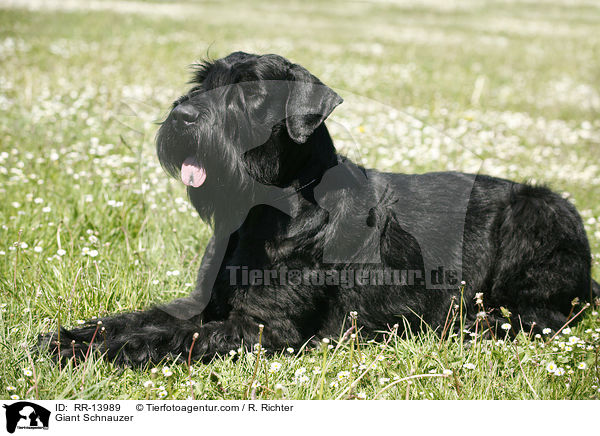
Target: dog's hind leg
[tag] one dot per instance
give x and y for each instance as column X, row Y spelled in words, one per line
column 543, row 259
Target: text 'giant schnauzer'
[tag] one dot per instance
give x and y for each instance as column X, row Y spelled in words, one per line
column 302, row 236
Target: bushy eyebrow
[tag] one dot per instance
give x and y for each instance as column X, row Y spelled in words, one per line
column 195, row 90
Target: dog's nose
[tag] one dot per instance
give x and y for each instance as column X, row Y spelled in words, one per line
column 184, row 113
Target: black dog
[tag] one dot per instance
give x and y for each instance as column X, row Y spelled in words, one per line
column 303, row 236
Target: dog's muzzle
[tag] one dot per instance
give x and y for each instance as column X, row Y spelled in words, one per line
column 182, row 117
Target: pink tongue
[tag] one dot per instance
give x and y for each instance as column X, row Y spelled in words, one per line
column 192, row 174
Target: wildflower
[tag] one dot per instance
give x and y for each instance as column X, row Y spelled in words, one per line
column 303, row 379
column 447, row 372
column 383, row 380
column 61, row 252
column 481, row 315
column 582, row 365
column 299, row 373
column 566, row 331
column 93, row 253
column 559, row 371
column 289, row 350
column 275, row 366
column 573, row 339
column 167, row 372
column 343, row 375
column 148, row 384
column 361, row 396
column 162, row 393
column 256, row 384
column 479, row 298
column 11, row 388
column 316, row 371
column 27, row 372
column 333, row 384
column 232, row 353
column 537, row 336
column 24, row 245
column 469, row 365
column 505, row 326
column 46, row 209
column 551, row 367
column 15, row 397
column 37, row 249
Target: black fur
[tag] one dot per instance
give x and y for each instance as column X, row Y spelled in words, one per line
column 279, row 196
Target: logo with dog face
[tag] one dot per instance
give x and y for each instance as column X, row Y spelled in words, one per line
column 26, row 415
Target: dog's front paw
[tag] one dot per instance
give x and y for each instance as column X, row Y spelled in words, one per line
column 66, row 344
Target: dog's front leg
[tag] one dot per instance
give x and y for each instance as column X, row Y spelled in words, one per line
column 128, row 339
column 139, row 338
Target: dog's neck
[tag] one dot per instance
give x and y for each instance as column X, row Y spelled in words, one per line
column 293, row 197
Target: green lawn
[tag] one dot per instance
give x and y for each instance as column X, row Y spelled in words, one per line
column 91, row 225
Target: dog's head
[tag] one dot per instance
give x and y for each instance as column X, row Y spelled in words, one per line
column 247, row 120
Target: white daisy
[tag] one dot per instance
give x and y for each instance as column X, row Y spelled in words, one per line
column 343, row 375
column 275, row 366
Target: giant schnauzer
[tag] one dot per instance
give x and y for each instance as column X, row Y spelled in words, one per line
column 302, row 236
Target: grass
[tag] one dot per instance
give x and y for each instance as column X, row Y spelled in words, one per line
column 90, row 225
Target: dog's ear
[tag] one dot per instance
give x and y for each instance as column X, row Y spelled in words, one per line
column 308, row 103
